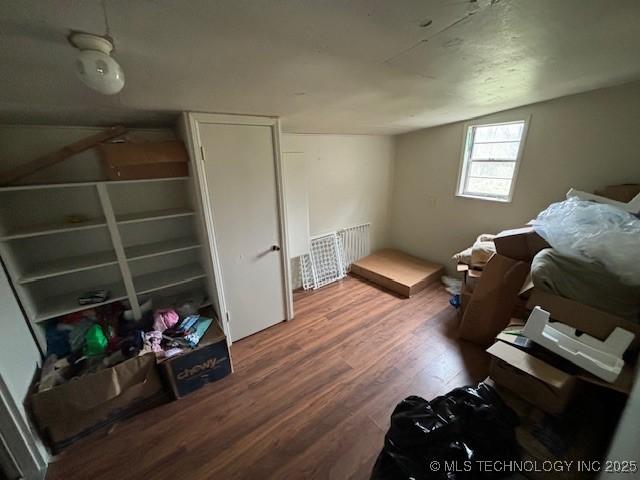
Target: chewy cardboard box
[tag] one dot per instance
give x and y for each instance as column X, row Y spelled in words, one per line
column 134, row 161
column 520, row 243
column 85, row 404
column 191, row 370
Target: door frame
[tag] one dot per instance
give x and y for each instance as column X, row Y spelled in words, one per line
column 19, row 439
column 192, row 122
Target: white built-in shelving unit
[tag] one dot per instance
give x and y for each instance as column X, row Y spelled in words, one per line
column 133, row 238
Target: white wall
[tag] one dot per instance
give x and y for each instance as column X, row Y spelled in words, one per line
column 585, row 141
column 19, row 359
column 349, row 181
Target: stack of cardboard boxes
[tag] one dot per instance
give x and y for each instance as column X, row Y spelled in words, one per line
column 537, row 383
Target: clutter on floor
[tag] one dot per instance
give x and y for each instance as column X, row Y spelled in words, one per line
column 102, row 365
column 399, row 272
column 448, row 437
column 558, row 306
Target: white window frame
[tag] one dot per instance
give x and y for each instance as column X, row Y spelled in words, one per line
column 466, row 152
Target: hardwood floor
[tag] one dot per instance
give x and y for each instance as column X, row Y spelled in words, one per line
column 309, row 398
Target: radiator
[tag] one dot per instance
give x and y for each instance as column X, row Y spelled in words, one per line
column 355, row 243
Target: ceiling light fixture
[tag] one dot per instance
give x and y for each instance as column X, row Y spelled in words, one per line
column 94, row 64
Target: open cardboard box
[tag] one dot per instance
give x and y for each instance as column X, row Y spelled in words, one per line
column 85, row 404
column 520, row 244
column 493, row 299
column 582, row 317
column 193, row 369
column 541, row 384
column 548, row 387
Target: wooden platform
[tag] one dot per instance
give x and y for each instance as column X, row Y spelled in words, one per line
column 397, row 271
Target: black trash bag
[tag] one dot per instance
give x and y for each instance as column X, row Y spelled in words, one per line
column 445, row 438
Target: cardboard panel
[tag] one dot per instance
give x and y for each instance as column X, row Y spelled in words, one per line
column 493, row 300
column 398, row 271
column 520, row 243
column 132, row 161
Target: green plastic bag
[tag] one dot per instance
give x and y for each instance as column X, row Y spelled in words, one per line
column 95, row 342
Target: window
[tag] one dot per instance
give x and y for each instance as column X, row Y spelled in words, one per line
column 490, row 160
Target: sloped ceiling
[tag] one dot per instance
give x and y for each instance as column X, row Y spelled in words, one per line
column 358, row 66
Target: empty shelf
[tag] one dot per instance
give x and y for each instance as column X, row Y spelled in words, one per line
column 154, row 215
column 160, row 248
column 41, row 186
column 48, row 229
column 69, row 265
column 68, row 303
column 151, row 282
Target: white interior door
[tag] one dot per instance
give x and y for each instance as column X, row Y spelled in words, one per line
column 240, row 171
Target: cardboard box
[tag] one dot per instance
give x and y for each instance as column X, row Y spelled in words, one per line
column 193, row 369
column 541, row 384
column 397, row 271
column 520, row 244
column 621, row 193
column 566, row 438
column 90, row 402
column 493, row 300
column 469, row 283
column 134, row 161
column 582, row 317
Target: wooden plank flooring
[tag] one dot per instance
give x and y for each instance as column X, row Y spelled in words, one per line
column 309, row 398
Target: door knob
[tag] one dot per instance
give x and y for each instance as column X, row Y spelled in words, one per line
column 275, row 248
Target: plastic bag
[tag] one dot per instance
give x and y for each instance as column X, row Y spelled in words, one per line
column 447, row 437
column 95, row 341
column 594, row 232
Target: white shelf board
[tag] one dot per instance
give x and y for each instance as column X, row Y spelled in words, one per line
column 139, row 252
column 68, row 303
column 154, row 215
column 52, row 228
column 86, row 184
column 170, row 301
column 151, row 282
column 146, row 180
column 63, row 266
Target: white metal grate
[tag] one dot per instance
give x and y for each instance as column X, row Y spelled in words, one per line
column 326, row 259
column 355, row 242
column 306, row 272
column 332, row 254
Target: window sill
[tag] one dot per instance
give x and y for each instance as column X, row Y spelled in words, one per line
column 480, row 197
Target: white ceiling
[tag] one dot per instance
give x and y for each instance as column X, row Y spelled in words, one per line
column 340, row 66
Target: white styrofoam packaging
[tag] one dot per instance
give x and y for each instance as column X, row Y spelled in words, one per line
column 601, row 358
